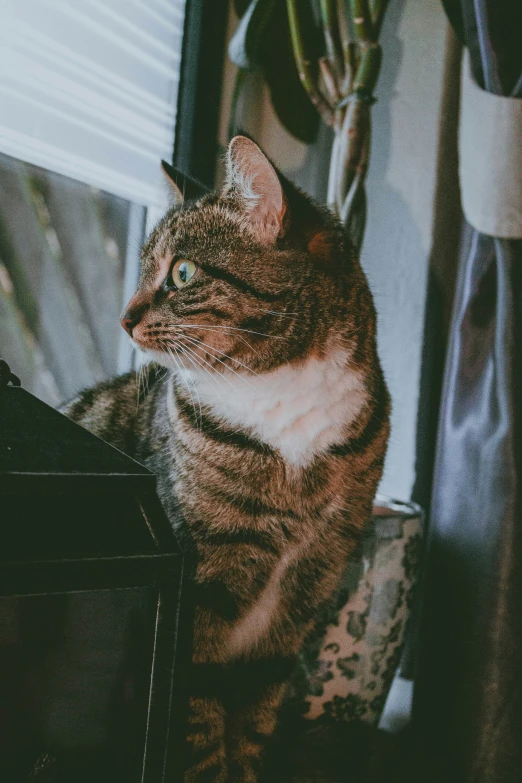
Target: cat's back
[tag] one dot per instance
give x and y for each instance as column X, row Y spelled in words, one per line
column 121, row 410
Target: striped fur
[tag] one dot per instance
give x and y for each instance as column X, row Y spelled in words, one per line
column 268, row 443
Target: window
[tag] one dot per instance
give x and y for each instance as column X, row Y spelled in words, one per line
column 64, row 246
column 88, row 96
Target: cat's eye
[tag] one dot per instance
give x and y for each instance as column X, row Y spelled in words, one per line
column 182, row 271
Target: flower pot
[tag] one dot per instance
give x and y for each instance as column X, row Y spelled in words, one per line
column 347, row 665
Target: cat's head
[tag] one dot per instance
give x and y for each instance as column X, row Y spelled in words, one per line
column 254, row 276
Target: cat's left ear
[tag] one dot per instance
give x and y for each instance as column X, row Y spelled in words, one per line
column 170, row 175
column 251, row 176
column 183, row 187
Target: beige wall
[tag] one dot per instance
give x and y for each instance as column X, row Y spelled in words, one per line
column 401, row 192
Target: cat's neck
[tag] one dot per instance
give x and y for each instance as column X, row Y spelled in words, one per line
column 299, row 410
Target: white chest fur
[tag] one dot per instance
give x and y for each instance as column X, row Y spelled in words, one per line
column 299, row 410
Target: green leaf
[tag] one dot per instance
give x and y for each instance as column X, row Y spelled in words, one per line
column 262, row 42
column 289, row 98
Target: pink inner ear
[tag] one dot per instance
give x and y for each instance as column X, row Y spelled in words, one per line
column 253, row 178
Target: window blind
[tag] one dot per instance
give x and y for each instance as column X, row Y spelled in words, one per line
column 88, row 88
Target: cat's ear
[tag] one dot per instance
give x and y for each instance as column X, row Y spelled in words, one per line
column 251, row 176
column 170, row 175
column 184, row 188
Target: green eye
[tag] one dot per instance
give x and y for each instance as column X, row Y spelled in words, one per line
column 182, row 271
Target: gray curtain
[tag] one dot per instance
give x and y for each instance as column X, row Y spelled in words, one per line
column 468, row 694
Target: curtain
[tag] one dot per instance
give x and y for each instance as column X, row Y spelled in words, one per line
column 468, row 694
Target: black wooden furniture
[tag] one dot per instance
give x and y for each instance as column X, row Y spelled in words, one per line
column 92, row 661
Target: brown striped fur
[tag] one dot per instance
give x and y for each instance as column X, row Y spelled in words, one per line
column 272, row 516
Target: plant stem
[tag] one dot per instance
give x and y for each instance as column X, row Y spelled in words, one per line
column 359, row 176
column 352, row 139
column 362, row 21
column 377, row 9
column 333, row 176
column 331, row 37
column 349, row 73
column 329, row 80
column 368, row 69
column 353, row 60
column 303, row 65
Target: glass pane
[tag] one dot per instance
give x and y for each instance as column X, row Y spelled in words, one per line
column 74, row 683
column 63, row 250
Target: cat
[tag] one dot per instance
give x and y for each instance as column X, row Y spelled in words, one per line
column 265, row 416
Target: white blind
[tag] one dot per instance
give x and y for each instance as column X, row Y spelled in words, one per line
column 88, row 88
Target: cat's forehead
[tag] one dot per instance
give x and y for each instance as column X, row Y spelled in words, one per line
column 183, row 230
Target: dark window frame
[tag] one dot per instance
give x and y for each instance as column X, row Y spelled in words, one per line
column 199, row 97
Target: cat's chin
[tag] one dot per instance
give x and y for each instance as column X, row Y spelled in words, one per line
column 163, row 358
column 178, row 365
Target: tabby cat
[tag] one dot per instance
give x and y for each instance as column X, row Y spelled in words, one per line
column 267, row 431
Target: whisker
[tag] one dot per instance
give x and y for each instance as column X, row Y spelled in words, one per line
column 201, row 342
column 196, row 362
column 228, row 368
column 198, row 368
column 199, row 403
column 281, row 314
column 166, row 371
column 138, row 374
column 214, row 371
column 173, row 357
column 239, row 337
column 231, row 328
column 194, row 385
column 141, row 377
column 211, row 326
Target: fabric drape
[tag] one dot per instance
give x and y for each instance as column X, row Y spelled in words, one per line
column 468, row 695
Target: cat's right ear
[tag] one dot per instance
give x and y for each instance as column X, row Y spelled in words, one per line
column 170, row 175
column 251, row 176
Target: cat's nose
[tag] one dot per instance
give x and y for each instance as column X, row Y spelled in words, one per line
column 129, row 320
column 134, row 312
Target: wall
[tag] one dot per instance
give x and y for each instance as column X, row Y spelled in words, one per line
column 401, row 192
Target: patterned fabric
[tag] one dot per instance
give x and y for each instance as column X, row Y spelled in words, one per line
column 347, row 666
